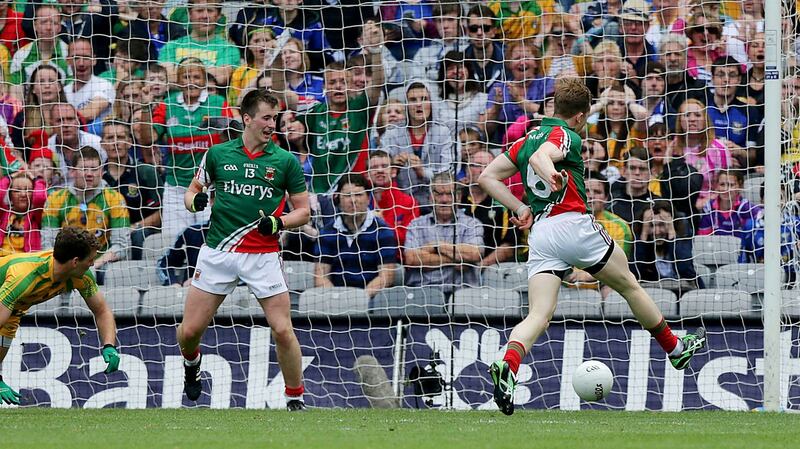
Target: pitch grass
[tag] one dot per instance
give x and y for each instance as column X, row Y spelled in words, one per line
column 395, row 429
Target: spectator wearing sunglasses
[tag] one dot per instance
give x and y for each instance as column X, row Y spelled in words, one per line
column 484, row 53
column 88, row 203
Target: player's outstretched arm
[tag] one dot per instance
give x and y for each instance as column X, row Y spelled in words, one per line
column 107, row 328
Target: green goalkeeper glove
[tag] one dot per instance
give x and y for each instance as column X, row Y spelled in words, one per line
column 8, row 395
column 269, row 225
column 110, row 356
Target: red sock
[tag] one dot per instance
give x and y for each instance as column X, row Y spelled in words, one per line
column 294, row 392
column 514, row 354
column 664, row 336
column 191, row 356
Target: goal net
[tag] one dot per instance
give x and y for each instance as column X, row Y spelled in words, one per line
column 407, row 280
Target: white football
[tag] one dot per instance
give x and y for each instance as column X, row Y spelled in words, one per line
column 592, row 381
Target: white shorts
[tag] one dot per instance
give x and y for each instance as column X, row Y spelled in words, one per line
column 559, row 243
column 219, row 272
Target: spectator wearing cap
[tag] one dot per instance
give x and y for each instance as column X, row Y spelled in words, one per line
column 67, row 139
column 396, row 208
column 500, row 236
column 522, row 93
column 41, row 165
column 213, row 50
column 22, row 198
column 484, row 52
column 138, row 184
column 463, row 101
column 653, row 98
column 358, row 249
column 428, row 60
column 680, row 84
column 735, row 122
column 633, row 18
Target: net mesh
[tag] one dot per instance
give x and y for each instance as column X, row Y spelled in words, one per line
column 415, row 265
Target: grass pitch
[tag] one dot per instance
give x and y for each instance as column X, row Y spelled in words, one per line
column 395, row 429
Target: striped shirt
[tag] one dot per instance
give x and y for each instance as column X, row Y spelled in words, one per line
column 102, row 214
column 28, row 280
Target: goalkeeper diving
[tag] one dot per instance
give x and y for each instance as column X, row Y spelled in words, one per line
column 33, row 278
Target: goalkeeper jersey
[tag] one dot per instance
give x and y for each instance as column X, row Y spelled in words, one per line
column 244, row 183
column 544, row 202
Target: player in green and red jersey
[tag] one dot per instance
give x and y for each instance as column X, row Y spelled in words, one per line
column 564, row 235
column 251, row 178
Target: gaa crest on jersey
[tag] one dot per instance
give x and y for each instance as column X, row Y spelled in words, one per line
column 270, row 173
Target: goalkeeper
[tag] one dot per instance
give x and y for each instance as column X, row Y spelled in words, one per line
column 251, row 177
column 33, row 278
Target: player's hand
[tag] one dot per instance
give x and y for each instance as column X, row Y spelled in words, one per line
column 523, row 219
column 8, row 395
column 558, row 180
column 200, row 200
column 110, row 356
column 269, row 225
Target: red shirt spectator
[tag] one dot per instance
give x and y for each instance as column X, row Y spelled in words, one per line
column 11, row 33
column 395, row 207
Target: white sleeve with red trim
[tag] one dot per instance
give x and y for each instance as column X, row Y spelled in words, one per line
column 560, row 139
column 202, row 176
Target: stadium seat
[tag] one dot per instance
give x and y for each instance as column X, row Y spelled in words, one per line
column 716, row 250
column 752, row 189
column 124, row 301
column 164, row 302
column 51, row 308
column 141, row 275
column 615, row 305
column 746, row 277
column 299, row 275
column 327, row 301
column 790, row 303
column 240, row 303
column 487, row 302
column 716, row 301
column 423, row 302
column 507, row 275
column 579, row 303
column 705, row 274
column 154, row 247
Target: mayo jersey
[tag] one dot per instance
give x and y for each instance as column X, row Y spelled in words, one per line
column 244, row 183
column 541, row 199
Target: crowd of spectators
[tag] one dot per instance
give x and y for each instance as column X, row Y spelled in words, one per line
column 393, row 110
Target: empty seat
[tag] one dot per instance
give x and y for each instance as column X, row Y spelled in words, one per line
column 746, row 277
column 487, row 302
column 577, row 303
column 326, row 301
column 50, row 308
column 615, row 305
column 299, row 275
column 716, row 250
column 790, row 303
column 408, row 302
column 240, row 303
column 124, row 301
column 715, row 301
column 507, row 275
column 164, row 302
column 752, row 189
column 141, row 275
column 154, row 246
